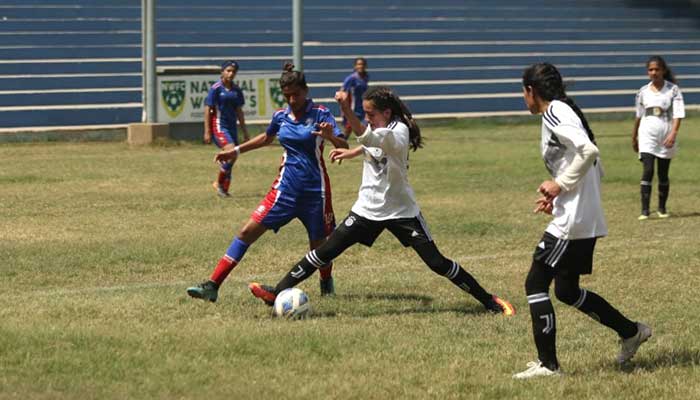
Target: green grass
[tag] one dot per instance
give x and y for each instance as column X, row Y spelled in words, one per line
column 99, row 241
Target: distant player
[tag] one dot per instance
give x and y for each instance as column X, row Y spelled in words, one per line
column 565, row 252
column 223, row 108
column 302, row 188
column 385, row 202
column 660, row 109
column 355, row 85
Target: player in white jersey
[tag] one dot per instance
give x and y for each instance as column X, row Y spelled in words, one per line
column 660, row 109
column 565, row 252
column 385, row 201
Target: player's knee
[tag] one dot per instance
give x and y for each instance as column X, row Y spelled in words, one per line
column 566, row 294
column 536, row 282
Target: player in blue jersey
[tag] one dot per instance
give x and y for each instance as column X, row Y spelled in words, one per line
column 223, row 108
column 356, row 85
column 302, row 188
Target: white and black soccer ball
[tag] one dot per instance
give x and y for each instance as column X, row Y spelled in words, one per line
column 292, row 303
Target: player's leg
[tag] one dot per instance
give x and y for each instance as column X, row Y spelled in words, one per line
column 354, row 229
column 647, row 161
column 664, row 185
column 316, row 213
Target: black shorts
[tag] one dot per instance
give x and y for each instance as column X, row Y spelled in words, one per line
column 409, row 231
column 565, row 256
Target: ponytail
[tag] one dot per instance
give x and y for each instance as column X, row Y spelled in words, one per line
column 384, row 98
column 546, row 81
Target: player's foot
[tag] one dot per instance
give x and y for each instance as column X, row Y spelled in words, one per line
column 206, row 291
column 535, row 369
column 220, row 191
column 263, row 292
column 629, row 347
column 499, row 306
column 663, row 213
column 643, row 216
column 327, row 286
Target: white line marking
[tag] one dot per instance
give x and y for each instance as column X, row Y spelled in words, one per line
column 87, row 75
column 71, row 107
column 83, row 90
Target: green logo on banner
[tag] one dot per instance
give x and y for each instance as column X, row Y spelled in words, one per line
column 173, row 96
column 276, row 95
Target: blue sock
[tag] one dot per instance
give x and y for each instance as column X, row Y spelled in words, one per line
column 237, row 249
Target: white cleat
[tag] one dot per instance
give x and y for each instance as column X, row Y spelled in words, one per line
column 629, row 347
column 536, row 369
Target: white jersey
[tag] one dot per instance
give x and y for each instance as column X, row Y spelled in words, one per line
column 385, row 192
column 657, row 109
column 578, row 213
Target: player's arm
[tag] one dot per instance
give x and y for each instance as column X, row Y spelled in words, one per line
column 261, row 140
column 635, row 134
column 343, row 99
column 241, row 121
column 585, row 155
column 345, row 154
column 207, row 124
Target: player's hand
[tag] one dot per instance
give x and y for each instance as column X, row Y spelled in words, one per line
column 226, row 156
column 343, row 98
column 207, row 137
column 325, row 130
column 340, row 154
column 543, row 205
column 549, row 189
column 670, row 140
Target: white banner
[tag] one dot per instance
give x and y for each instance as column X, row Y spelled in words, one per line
column 182, row 96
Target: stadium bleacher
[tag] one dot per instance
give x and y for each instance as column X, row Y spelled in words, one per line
column 78, row 62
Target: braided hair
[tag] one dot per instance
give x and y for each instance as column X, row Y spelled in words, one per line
column 383, row 98
column 668, row 74
column 545, row 80
column 290, row 77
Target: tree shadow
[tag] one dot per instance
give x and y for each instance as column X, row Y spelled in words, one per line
column 663, row 358
column 424, row 306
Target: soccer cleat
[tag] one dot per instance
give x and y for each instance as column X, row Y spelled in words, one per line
column 663, row 214
column 629, row 347
column 220, row 191
column 643, row 217
column 535, row 369
column 327, row 287
column 206, row 291
column 263, row 292
column 499, row 306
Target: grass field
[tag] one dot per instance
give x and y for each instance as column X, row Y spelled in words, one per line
column 99, row 241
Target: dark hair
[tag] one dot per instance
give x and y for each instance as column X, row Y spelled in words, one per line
column 360, row 59
column 668, row 74
column 545, row 80
column 290, row 77
column 229, row 63
column 384, row 98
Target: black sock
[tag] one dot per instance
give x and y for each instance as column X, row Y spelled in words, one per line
column 663, row 195
column 600, row 310
column 302, row 270
column 544, row 328
column 465, row 281
column 645, row 190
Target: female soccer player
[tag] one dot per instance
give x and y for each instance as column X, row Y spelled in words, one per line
column 223, row 107
column 302, row 188
column 660, row 109
column 565, row 252
column 356, row 85
column 385, row 201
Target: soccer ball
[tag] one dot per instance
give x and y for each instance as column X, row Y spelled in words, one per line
column 292, row 303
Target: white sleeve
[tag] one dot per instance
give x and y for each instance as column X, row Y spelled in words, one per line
column 638, row 104
column 389, row 140
column 677, row 104
column 574, row 173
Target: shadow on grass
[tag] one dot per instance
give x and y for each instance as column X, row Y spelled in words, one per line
column 685, row 215
column 663, row 358
column 424, row 306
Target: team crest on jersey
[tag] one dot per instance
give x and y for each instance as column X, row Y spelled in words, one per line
column 172, row 95
column 309, row 121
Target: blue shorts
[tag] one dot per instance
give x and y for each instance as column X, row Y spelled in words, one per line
column 314, row 210
column 222, row 135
